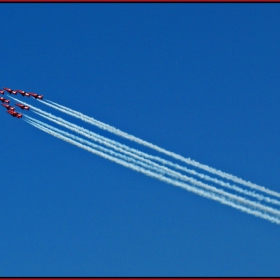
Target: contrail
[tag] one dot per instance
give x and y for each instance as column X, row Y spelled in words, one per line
column 152, row 146
column 162, row 169
column 195, row 190
column 80, row 131
column 40, row 124
column 112, row 144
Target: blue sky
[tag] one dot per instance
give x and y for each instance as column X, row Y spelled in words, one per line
column 201, row 80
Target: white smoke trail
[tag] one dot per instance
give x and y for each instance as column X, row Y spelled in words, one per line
column 162, row 169
column 205, row 177
column 113, row 144
column 68, row 126
column 195, row 190
column 152, row 146
column 40, row 124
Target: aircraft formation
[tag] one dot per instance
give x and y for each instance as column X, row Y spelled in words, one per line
column 10, row 109
column 217, row 188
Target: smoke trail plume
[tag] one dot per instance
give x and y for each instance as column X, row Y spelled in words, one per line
column 152, row 146
column 162, row 169
column 113, row 144
column 195, row 190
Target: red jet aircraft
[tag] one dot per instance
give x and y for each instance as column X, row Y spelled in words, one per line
column 23, row 107
column 2, row 91
column 14, row 114
column 23, row 93
column 4, row 100
column 35, row 95
column 8, row 107
column 10, row 91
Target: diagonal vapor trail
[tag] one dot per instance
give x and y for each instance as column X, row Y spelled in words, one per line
column 163, row 169
column 87, row 133
column 40, row 124
column 152, row 146
column 244, row 201
column 113, row 144
column 159, row 168
column 195, row 190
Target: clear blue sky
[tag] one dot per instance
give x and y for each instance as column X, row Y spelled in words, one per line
column 201, row 80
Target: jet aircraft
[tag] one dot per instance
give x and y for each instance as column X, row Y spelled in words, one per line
column 23, row 93
column 4, row 100
column 23, row 107
column 14, row 114
column 8, row 107
column 2, row 91
column 10, row 91
column 36, row 96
